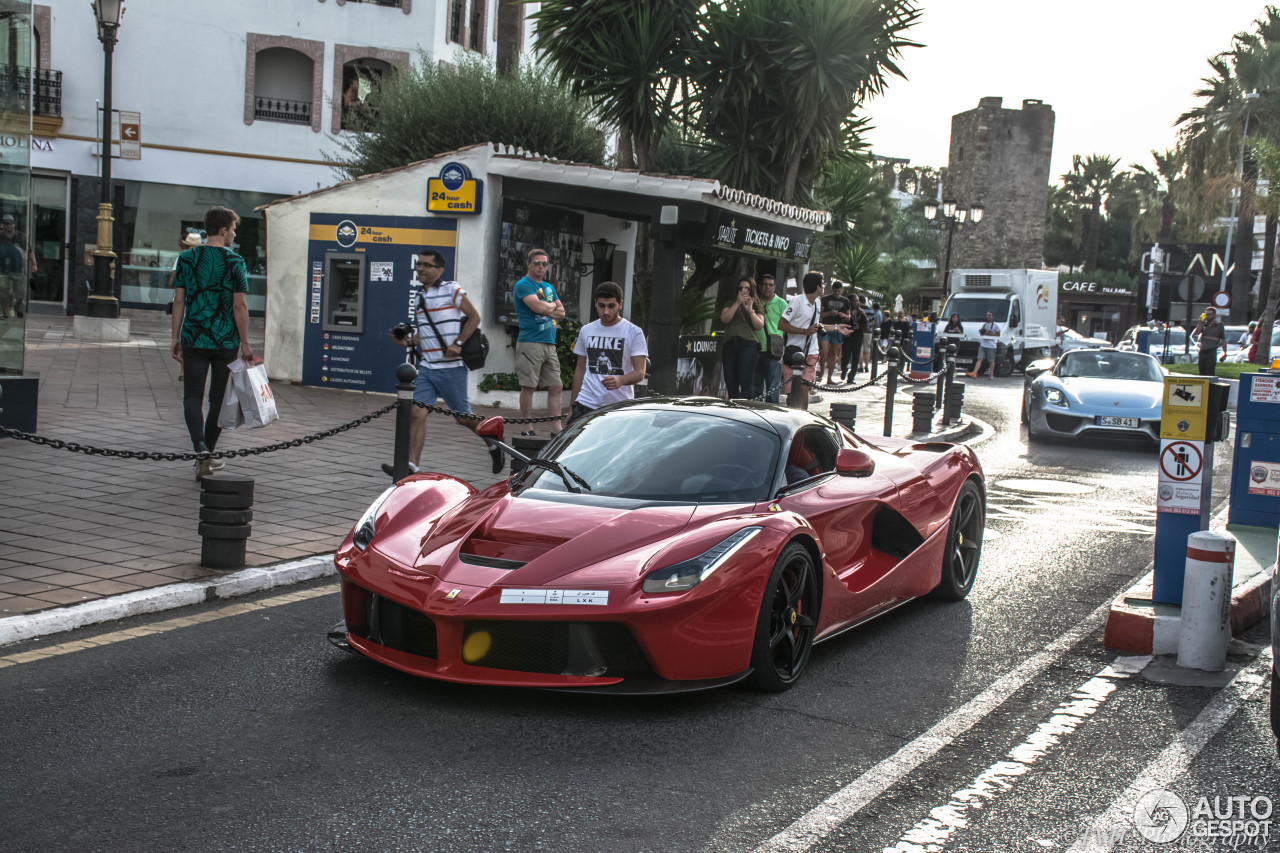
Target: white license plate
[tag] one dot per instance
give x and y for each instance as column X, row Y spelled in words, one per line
column 1108, row 420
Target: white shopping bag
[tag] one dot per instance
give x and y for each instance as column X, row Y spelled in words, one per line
column 230, row 416
column 254, row 393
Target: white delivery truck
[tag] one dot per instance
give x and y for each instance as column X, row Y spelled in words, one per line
column 1025, row 306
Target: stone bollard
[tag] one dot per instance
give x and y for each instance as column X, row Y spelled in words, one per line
column 845, row 414
column 226, row 510
column 529, row 445
column 1206, row 602
column 922, row 412
column 890, row 388
column 954, row 404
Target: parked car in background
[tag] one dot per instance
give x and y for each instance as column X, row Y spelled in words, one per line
column 1244, row 355
column 1094, row 394
column 1237, row 339
column 1169, row 345
column 1070, row 339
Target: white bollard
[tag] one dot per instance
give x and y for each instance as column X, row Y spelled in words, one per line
column 1206, row 602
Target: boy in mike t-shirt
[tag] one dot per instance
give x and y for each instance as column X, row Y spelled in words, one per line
column 612, row 355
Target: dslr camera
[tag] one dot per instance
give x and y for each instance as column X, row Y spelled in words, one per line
column 402, row 331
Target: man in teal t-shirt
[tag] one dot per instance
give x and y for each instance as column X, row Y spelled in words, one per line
column 768, row 379
column 538, row 308
column 210, row 327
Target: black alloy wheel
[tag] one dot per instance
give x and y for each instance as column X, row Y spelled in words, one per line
column 1004, row 364
column 1026, row 403
column 964, row 544
column 788, row 618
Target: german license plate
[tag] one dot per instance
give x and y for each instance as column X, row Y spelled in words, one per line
column 1108, row 420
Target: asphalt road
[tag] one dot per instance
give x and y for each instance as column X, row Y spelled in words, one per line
column 1000, row 723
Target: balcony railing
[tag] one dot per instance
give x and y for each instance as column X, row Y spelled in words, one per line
column 277, row 109
column 17, row 83
column 393, row 3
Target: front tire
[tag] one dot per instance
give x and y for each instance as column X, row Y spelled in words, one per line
column 1004, row 364
column 787, row 621
column 964, row 544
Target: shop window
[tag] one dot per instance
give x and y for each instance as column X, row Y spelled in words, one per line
column 343, row 294
column 282, row 80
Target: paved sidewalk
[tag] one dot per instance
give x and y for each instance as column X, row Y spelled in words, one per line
column 75, row 527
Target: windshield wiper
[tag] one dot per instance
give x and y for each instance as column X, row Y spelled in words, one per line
column 564, row 472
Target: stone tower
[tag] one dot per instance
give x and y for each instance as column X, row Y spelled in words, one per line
column 1000, row 159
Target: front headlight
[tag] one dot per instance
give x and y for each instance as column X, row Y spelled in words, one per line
column 688, row 574
column 364, row 527
column 1055, row 396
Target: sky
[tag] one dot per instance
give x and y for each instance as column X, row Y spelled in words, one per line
column 1117, row 73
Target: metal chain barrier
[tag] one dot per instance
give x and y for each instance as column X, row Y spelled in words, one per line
column 72, row 446
column 932, row 377
column 467, row 416
column 840, row 389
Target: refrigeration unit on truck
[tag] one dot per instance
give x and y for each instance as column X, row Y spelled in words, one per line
column 1024, row 304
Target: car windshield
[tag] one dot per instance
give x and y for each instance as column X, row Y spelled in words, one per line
column 1177, row 338
column 664, row 455
column 973, row 309
column 1110, row 365
column 1237, row 335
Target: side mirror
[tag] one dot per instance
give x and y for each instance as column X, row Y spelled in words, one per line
column 852, row 462
column 491, row 428
column 1035, row 368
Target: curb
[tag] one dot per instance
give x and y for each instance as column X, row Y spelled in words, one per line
column 1141, row 629
column 244, row 582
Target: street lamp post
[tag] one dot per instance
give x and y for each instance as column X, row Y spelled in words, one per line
column 103, row 302
column 954, row 217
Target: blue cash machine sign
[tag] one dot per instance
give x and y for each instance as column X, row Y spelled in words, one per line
column 360, row 282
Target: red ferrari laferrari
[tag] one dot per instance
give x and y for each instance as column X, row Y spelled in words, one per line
column 659, row 545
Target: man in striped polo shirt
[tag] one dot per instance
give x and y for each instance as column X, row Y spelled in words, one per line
column 444, row 318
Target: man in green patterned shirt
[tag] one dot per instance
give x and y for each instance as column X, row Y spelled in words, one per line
column 210, row 327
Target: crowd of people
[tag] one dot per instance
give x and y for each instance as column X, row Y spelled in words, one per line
column 833, row 331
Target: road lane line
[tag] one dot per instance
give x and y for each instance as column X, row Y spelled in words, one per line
column 1106, row 830
column 933, row 832
column 852, row 798
column 161, row 627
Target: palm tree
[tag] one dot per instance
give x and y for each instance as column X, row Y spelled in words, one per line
column 1240, row 99
column 1156, row 191
column 1090, row 182
column 1267, row 155
column 628, row 59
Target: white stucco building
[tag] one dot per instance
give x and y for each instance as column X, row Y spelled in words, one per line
column 239, row 103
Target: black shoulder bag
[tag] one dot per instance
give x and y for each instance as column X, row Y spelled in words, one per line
column 475, row 349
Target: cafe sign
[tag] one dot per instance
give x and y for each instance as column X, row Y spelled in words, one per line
column 732, row 232
column 1093, row 287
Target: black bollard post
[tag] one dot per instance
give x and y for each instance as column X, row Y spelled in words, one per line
column 405, row 375
column 922, row 412
column 226, row 510
column 875, row 357
column 950, row 379
column 845, row 414
column 890, row 388
column 954, row 403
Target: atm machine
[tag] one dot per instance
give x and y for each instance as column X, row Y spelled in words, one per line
column 361, row 282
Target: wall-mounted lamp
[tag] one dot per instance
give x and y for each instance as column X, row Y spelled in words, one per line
column 601, row 256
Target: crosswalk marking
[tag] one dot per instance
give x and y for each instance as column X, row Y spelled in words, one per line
column 819, row 822
column 1113, row 824
column 1081, row 514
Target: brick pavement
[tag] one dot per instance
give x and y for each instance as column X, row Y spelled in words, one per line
column 75, row 527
